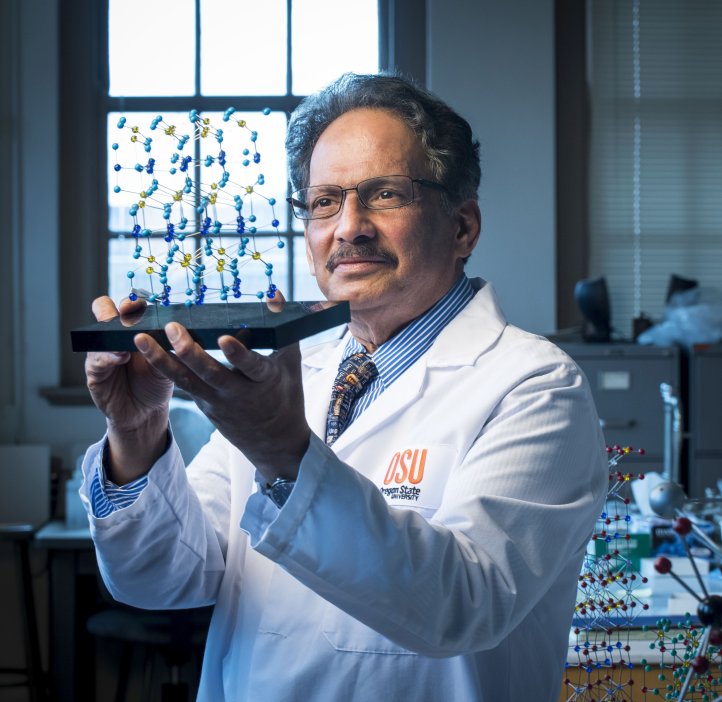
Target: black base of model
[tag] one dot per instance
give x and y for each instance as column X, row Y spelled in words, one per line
column 256, row 324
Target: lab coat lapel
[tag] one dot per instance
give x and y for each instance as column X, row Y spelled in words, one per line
column 470, row 334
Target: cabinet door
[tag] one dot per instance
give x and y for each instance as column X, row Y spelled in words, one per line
column 706, row 400
column 626, row 392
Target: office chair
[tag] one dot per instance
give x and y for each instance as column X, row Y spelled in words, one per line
column 174, row 634
column 31, row 675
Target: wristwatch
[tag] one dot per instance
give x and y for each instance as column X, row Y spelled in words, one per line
column 279, row 490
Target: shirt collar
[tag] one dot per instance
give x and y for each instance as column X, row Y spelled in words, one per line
column 397, row 354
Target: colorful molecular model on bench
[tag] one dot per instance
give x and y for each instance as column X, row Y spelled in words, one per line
column 688, row 651
column 203, row 195
column 691, row 663
column 599, row 663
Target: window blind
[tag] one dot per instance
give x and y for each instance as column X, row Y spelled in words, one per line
column 655, row 78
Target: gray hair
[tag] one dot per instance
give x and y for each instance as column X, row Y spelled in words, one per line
column 451, row 150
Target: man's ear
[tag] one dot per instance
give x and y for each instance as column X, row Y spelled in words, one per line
column 468, row 218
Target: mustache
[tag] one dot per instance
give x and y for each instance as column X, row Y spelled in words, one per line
column 366, row 250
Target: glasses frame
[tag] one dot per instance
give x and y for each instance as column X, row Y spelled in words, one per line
column 423, row 182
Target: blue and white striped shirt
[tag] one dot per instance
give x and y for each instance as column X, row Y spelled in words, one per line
column 106, row 497
column 392, row 358
column 400, row 352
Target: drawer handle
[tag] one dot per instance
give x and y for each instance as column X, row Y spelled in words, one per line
column 617, row 423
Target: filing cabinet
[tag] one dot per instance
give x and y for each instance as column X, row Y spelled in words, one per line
column 705, row 420
column 625, row 381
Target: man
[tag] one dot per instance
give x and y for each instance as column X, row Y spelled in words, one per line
column 428, row 548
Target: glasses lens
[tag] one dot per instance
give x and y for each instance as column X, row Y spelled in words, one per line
column 386, row 192
column 317, row 202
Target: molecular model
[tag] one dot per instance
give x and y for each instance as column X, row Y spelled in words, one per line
column 185, row 205
column 607, row 601
column 689, row 651
column 691, row 660
column 689, row 668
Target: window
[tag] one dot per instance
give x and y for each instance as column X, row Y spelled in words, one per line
column 655, row 74
column 211, row 55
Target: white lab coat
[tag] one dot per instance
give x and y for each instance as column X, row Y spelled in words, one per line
column 431, row 555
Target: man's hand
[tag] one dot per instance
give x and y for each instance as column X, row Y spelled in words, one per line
column 134, row 397
column 257, row 404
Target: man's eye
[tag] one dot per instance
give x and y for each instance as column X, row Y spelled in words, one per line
column 321, row 203
column 386, row 195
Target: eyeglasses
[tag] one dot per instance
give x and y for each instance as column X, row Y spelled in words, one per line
column 380, row 193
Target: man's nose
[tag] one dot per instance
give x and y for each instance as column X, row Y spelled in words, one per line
column 354, row 220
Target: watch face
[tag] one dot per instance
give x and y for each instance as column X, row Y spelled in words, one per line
column 281, row 491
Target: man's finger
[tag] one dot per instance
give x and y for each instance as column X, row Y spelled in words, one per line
column 191, row 368
column 100, row 364
column 104, row 309
column 171, row 367
column 277, row 303
column 254, row 366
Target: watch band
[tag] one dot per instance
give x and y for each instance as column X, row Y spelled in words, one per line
column 278, row 491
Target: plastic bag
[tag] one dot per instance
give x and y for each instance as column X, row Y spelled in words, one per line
column 691, row 317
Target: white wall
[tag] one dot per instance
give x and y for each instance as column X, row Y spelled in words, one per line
column 493, row 62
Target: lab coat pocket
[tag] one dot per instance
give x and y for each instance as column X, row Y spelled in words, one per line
column 347, row 634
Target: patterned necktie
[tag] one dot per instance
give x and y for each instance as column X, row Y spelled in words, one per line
column 354, row 375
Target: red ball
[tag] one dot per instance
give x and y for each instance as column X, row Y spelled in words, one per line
column 682, row 526
column 663, row 565
column 700, row 665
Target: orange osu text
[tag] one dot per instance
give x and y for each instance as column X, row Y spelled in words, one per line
column 406, row 465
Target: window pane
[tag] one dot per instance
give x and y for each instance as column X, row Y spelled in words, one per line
column 121, row 261
column 151, row 47
column 253, row 261
column 243, row 171
column 330, row 38
column 243, row 47
column 132, row 181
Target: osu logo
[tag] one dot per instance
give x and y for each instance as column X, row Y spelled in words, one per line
column 406, row 465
